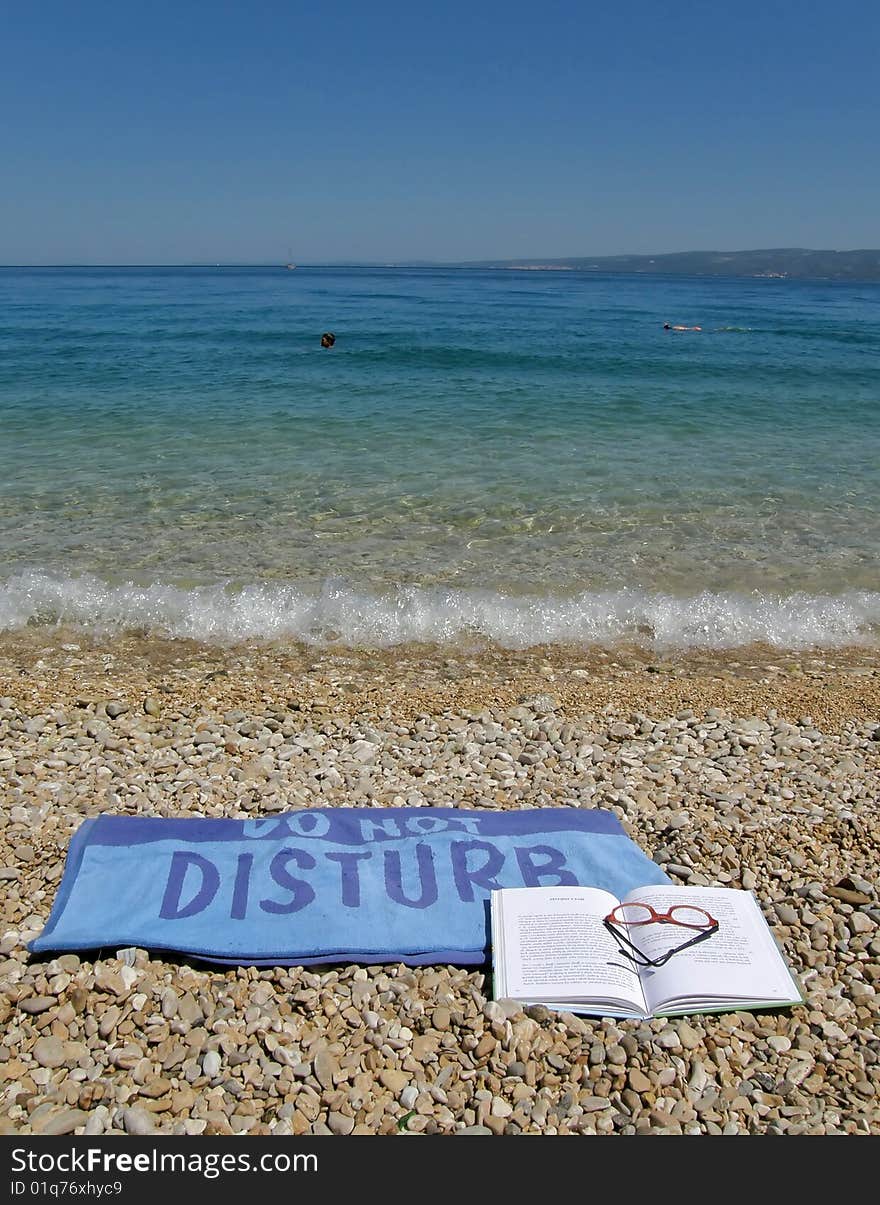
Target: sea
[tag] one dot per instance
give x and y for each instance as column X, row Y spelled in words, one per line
column 510, row 456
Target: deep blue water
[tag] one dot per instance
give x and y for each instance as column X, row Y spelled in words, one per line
column 525, row 454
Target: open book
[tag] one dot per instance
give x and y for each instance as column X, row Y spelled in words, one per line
column 551, row 946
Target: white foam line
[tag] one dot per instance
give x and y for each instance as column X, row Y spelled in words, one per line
column 338, row 613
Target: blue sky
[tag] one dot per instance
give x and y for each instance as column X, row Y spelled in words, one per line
column 381, row 131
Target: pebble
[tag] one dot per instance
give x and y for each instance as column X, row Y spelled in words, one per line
column 49, row 1052
column 38, row 1004
column 638, row 1081
column 688, row 1036
column 326, row 1068
column 668, row 1039
column 64, row 1122
column 138, row 1121
column 211, row 1064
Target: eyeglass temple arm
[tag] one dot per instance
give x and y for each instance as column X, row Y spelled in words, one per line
column 622, row 940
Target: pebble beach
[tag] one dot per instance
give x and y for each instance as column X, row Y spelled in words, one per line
column 752, row 769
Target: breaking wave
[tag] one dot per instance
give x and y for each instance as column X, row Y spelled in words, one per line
column 337, row 613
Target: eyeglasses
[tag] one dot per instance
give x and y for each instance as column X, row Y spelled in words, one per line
column 626, row 917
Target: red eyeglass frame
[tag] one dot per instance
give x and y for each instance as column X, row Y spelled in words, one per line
column 634, row 954
column 660, row 918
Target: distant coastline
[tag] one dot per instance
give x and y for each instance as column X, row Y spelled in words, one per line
column 787, row 263
column 784, row 263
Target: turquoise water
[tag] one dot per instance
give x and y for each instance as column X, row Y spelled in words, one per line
column 527, row 455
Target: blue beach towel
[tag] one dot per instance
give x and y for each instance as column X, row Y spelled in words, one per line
column 329, row 885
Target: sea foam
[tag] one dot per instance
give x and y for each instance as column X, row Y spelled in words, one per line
column 337, row 613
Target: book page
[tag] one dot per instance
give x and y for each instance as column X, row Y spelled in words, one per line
column 555, row 947
column 740, row 962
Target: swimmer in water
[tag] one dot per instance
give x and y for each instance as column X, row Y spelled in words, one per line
column 667, row 327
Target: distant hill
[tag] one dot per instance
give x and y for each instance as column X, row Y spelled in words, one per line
column 795, row 263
